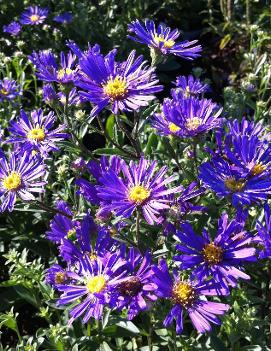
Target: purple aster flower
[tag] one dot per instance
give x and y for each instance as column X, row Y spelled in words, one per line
column 221, row 177
column 91, row 289
column 36, row 133
column 56, row 275
column 264, row 234
column 138, row 188
column 9, row 89
column 137, row 291
column 34, row 15
column 163, row 39
column 72, row 99
column 79, row 164
column 49, row 94
column 20, row 176
column 189, row 296
column 13, row 28
column 190, row 86
column 245, row 127
column 49, row 71
column 64, row 18
column 126, row 86
column 221, row 257
column 62, row 225
column 187, row 117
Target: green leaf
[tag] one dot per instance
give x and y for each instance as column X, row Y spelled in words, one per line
column 128, row 325
column 109, row 126
column 224, row 41
column 151, row 144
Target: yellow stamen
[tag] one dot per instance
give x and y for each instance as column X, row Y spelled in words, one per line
column 258, row 169
column 138, row 194
column 36, row 134
column 34, row 18
column 187, row 92
column 96, row 284
column 212, row 254
column 116, row 88
column 161, row 39
column 4, row 91
column 60, row 277
column 71, row 234
column 193, row 123
column 93, row 256
column 183, row 293
column 234, row 185
column 12, row 181
column 173, row 128
column 61, row 73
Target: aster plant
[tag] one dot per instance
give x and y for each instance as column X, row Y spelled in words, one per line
column 34, row 15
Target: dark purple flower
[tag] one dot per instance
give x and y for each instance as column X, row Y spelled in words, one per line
column 189, row 295
column 56, row 275
column 49, row 94
column 190, row 86
column 13, row 28
column 126, row 86
column 222, row 257
column 34, row 15
column 9, row 89
column 20, row 176
column 64, row 18
column 163, row 39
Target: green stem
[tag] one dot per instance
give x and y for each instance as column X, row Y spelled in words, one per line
column 129, row 136
column 48, row 208
column 195, row 157
column 138, row 227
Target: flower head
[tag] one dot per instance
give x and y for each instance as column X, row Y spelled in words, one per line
column 264, row 234
column 49, row 71
column 20, row 176
column 126, row 86
column 9, row 89
column 190, row 86
column 220, row 257
column 163, row 40
column 34, row 15
column 138, row 187
column 64, row 18
column 36, row 133
column 189, row 295
column 13, row 28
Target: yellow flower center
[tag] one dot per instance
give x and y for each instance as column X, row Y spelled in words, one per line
column 193, row 123
column 93, row 256
column 173, row 128
column 258, row 169
column 187, row 92
column 113, row 231
column 96, row 284
column 160, row 39
column 36, row 134
column 12, row 181
column 138, row 194
column 61, row 73
column 116, row 88
column 34, row 18
column 71, row 234
column 234, row 185
column 183, row 293
column 4, row 91
column 212, row 254
column 60, row 277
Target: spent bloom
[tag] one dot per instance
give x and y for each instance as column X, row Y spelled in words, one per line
column 126, row 86
column 13, row 28
column 20, row 176
column 163, row 39
column 9, row 89
column 35, row 132
column 186, row 117
column 189, row 295
column 34, row 15
column 139, row 187
column 190, row 86
column 49, row 70
column 221, row 257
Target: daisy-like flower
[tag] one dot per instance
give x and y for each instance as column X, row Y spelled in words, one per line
column 49, row 94
column 20, row 176
column 73, row 98
column 137, row 291
column 64, row 18
column 221, row 257
column 190, row 86
column 138, row 188
column 56, row 275
column 90, row 290
column 189, row 295
column 186, row 117
column 245, row 127
column 49, row 70
column 163, row 40
column 264, row 234
column 13, row 28
column 126, row 86
column 62, row 225
column 35, row 133
column 9, row 89
column 34, row 15
column 227, row 181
